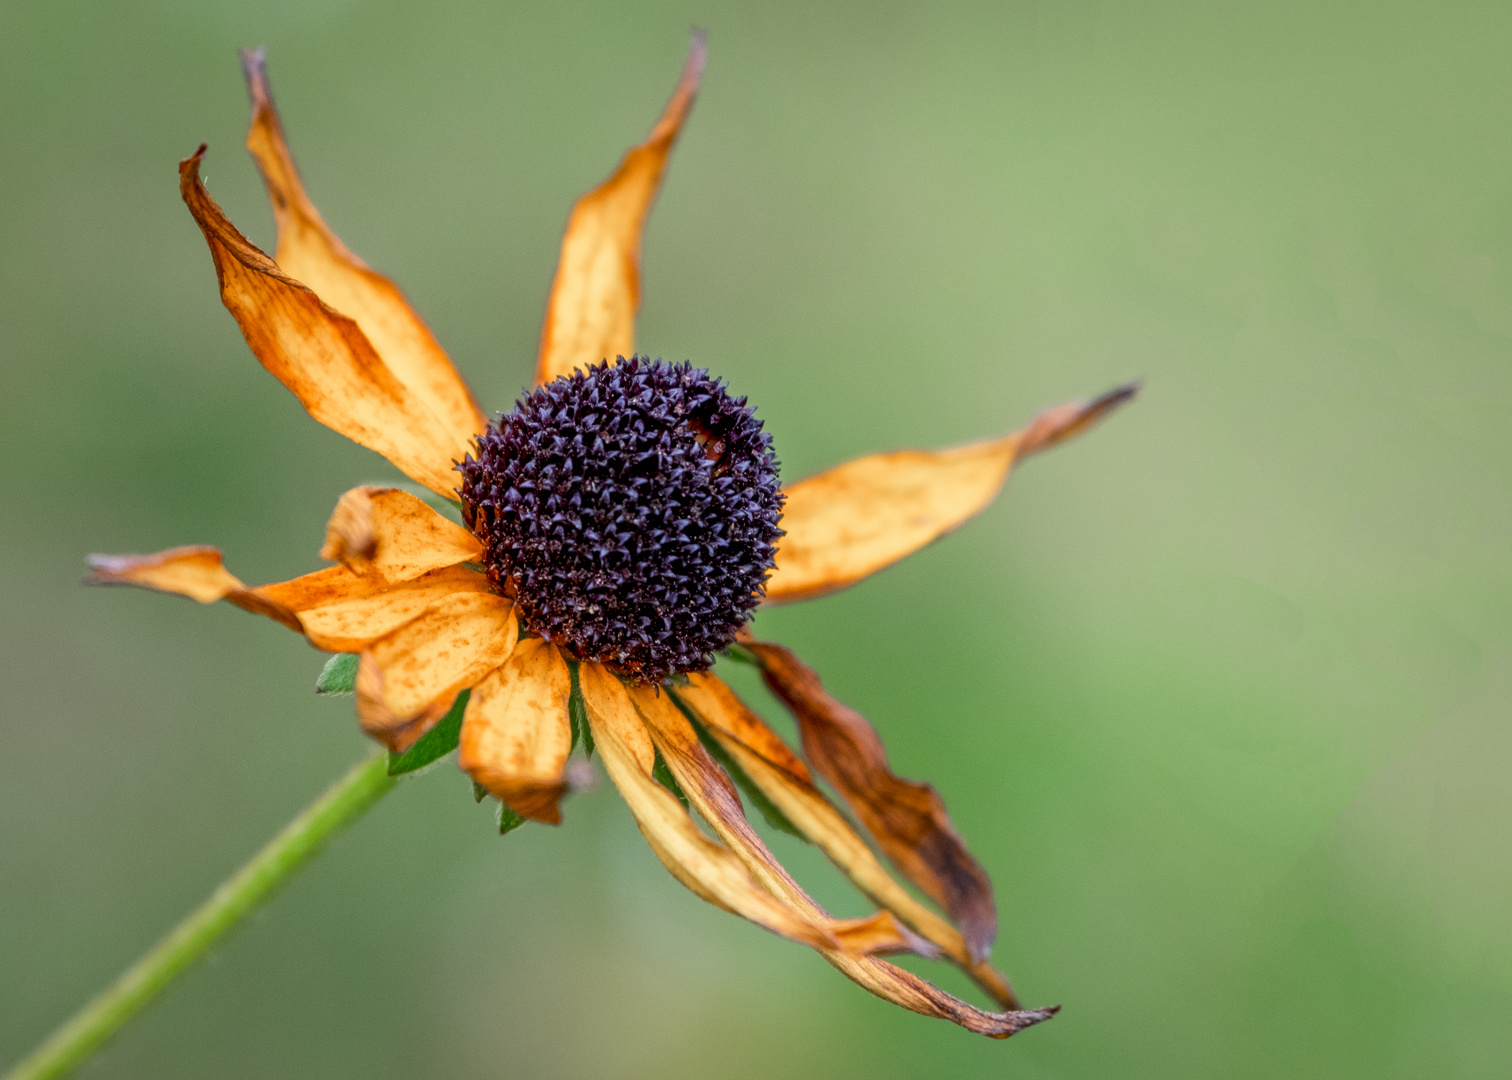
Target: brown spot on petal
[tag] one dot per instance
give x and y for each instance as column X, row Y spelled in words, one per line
column 515, row 733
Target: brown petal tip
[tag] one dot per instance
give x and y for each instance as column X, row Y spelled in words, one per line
column 190, row 164
column 1065, row 421
column 1027, row 1018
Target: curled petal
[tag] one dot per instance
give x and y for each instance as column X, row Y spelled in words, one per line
column 732, row 724
column 906, row 818
column 711, row 793
column 407, row 675
column 892, row 983
column 710, row 870
column 860, row 517
column 515, row 733
column 590, row 315
column 309, row 252
column 393, row 535
column 321, row 355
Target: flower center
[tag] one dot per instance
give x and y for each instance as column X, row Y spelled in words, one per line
column 632, row 513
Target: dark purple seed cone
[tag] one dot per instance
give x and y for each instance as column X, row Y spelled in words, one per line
column 632, row 513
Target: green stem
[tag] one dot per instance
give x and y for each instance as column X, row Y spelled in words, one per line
column 283, row 857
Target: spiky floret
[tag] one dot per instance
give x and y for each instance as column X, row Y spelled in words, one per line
column 631, row 511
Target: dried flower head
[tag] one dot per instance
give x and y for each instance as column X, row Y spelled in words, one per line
column 621, row 525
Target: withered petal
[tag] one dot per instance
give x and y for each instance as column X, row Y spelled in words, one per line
column 713, row 796
column 195, row 571
column 855, row 519
column 345, row 612
column 515, row 733
column 590, row 315
column 321, row 355
column 310, row 252
column 409, row 673
column 709, row 869
column 906, row 818
column 393, row 535
column 732, row 723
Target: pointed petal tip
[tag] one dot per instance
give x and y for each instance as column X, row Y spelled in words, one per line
column 190, row 164
column 254, row 63
column 698, row 52
column 1066, row 421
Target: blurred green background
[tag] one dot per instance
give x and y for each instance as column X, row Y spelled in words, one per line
column 1218, row 693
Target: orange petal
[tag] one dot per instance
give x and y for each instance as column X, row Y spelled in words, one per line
column 906, row 818
column 309, row 252
column 345, row 612
column 859, row 517
column 711, row 793
column 321, row 355
column 418, row 668
column 590, row 315
column 515, row 734
column 194, row 571
column 710, row 870
column 735, row 727
column 392, row 534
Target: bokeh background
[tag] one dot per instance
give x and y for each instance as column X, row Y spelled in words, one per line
column 1218, row 693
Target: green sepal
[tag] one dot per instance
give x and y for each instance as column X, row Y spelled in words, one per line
column 769, row 810
column 577, row 713
column 339, row 676
column 663, row 776
column 509, row 821
column 435, row 744
column 741, row 654
column 479, row 792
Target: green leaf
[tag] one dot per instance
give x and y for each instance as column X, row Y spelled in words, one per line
column 339, row 676
column 664, row 777
column 479, row 792
column 435, row 744
column 769, row 810
column 577, row 712
column 508, row 820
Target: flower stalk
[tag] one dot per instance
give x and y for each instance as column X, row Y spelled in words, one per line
column 238, row 896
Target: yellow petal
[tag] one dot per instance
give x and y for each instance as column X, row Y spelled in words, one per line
column 733, row 725
column 714, row 797
column 709, row 869
column 906, row 818
column 392, row 534
column 321, row 355
column 345, row 612
column 422, row 665
column 859, row 517
column 515, row 733
column 590, row 315
column 309, row 252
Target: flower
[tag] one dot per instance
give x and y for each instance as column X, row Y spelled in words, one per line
column 623, row 523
